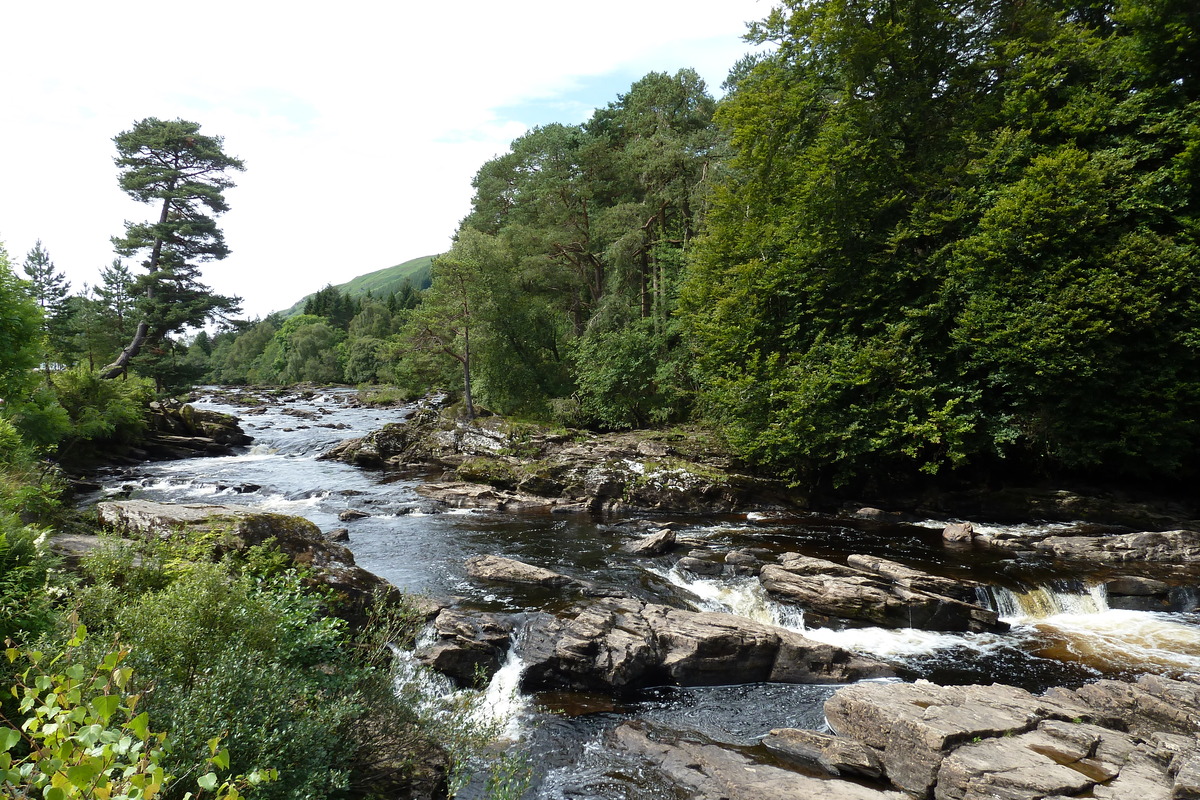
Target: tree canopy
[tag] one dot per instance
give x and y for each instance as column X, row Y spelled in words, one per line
column 171, row 164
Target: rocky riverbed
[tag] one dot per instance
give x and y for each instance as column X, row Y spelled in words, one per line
column 686, row 626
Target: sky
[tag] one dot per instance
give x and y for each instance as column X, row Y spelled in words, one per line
column 361, row 124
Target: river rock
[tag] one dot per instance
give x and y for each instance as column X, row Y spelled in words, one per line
column 620, row 644
column 836, row 591
column 653, row 545
column 352, row 514
column 913, row 727
column 1152, row 704
column 179, row 430
column 1171, row 547
column 911, row 578
column 236, row 528
column 606, row 473
column 958, row 532
column 1057, row 758
column 706, row 771
column 835, row 755
column 508, row 570
column 471, row 646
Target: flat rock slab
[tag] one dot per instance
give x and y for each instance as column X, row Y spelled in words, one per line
column 914, row 726
column 508, row 570
column 618, row 644
column 705, row 771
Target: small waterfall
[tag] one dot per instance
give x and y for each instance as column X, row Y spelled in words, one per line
column 493, row 713
column 1041, row 602
column 746, row 597
column 502, row 705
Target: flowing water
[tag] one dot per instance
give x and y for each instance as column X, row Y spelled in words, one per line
column 1063, row 631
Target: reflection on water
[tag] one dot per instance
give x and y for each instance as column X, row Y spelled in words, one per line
column 1062, row 632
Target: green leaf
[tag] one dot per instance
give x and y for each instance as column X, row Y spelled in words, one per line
column 81, row 775
column 140, row 725
column 207, row 782
column 8, row 738
column 105, row 706
column 54, row 793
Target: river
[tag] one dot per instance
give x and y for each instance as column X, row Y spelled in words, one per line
column 1063, row 631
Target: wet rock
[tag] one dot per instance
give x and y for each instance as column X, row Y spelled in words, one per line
column 508, row 570
column 911, row 578
column 338, row 535
column 743, row 562
column 653, row 545
column 619, row 644
column 958, row 532
column 475, row 495
column 705, row 771
column 236, row 528
column 879, row 515
column 835, row 591
column 351, row 514
column 700, row 566
column 471, row 646
column 833, row 754
column 1170, row 547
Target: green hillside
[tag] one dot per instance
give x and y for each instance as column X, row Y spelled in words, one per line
column 380, row 283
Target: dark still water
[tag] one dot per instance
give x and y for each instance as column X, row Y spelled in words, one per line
column 1063, row 631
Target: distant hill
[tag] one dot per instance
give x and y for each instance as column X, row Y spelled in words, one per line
column 380, row 283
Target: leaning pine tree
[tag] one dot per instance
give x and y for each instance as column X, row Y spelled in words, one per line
column 172, row 164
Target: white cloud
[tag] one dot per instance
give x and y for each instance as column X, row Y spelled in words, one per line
column 361, row 124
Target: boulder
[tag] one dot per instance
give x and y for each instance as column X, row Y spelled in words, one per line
column 911, row 578
column 352, row 514
column 653, row 545
column 470, row 646
column 958, row 532
column 621, row 644
column 827, row 590
column 706, row 771
column 508, row 570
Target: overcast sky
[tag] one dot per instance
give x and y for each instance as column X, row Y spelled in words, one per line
column 361, row 124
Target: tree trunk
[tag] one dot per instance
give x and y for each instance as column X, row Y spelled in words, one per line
column 466, row 362
column 119, row 366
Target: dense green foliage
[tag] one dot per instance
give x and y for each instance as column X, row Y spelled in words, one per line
column 957, row 233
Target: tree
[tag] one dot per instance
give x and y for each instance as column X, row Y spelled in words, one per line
column 956, row 234
column 50, row 290
column 172, row 164
column 19, row 323
column 116, row 292
column 452, row 306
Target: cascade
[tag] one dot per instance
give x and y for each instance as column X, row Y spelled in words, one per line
column 1040, row 602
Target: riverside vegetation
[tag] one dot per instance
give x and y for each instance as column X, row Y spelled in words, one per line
column 916, row 243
